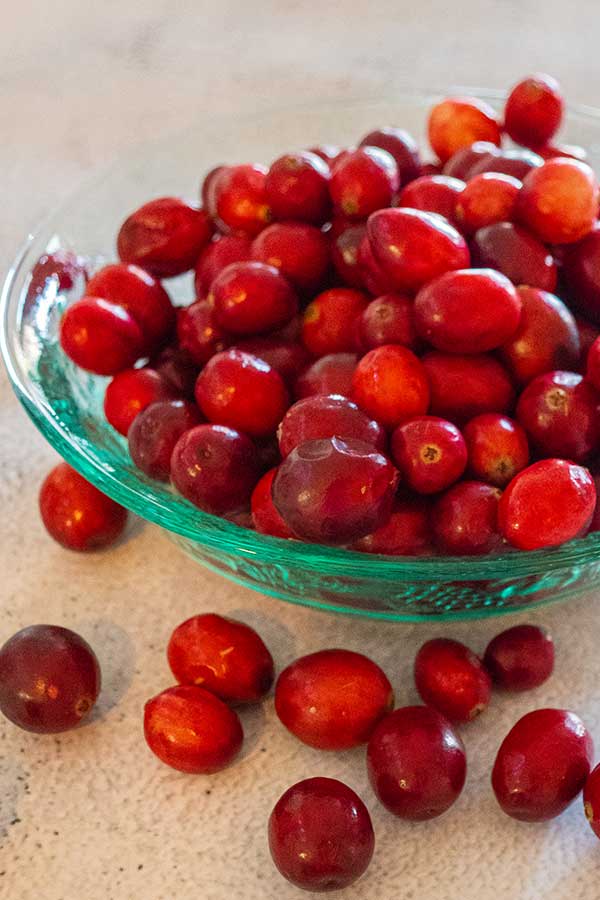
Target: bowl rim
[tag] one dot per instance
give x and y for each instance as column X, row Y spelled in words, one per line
column 219, row 534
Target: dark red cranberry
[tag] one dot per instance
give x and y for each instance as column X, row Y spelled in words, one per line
column 327, row 152
column 593, row 365
column 433, row 193
column 285, row 357
column 241, row 203
column 401, row 145
column 62, row 268
column 430, row 453
column 416, row 763
column 154, row 433
column 431, row 168
column 388, row 319
column 313, row 701
column 130, row 392
column 461, row 164
column 570, row 151
column 374, row 277
column 582, row 274
column 334, row 491
column 198, row 332
column 458, row 122
column 297, row 187
column 591, row 800
column 332, row 374
column 49, row 679
column 265, row 517
column 452, row 679
column 329, row 322
column 320, row 835
column 497, row 447
column 177, row 369
column 465, row 519
column 327, row 416
column 100, row 337
column 534, row 111
column 207, row 189
column 559, row 201
column 345, row 254
column 407, row 532
column 299, row 251
column 516, row 253
column 465, row 386
column 520, row 658
column 391, row 385
column 542, row 765
column 363, row 181
column 487, row 199
column 230, row 248
column 252, row 298
column 516, row 163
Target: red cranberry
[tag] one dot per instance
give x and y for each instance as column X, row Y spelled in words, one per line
column 230, row 248
column 591, row 800
column 327, row 152
column 334, row 491
column 320, row 835
column 313, row 701
column 520, row 658
column 497, row 448
column 388, row 319
column 252, row 298
column 207, row 189
column 329, row 323
column 534, row 110
column 226, row 657
column 465, row 519
column 546, row 337
column 570, row 151
column 542, row 765
column 461, row 164
column 299, row 251
column 431, row 168
column 374, row 277
column 433, row 193
column 285, row 357
column 582, row 273
column 363, row 181
column 401, row 145
column 345, row 255
column 243, row 392
column 416, row 763
column 430, row 453
column 406, row 533
column 587, row 335
column 191, row 730
column 559, row 201
column 593, row 365
column 63, row 268
column 516, row 253
column 452, row 679
column 458, row 122
column 100, row 337
column 332, row 374
column 241, row 202
column 265, row 517
column 198, row 332
column 177, row 369
column 487, row 199
column 391, row 385
column 324, row 417
column 465, row 386
column 215, row 468
column 154, row 433
column 130, row 392
column 297, row 187
column 516, row 163
column 49, row 679
column 414, row 247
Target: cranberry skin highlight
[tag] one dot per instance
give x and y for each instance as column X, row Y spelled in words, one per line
column 362, row 181
column 497, row 448
column 452, row 679
column 559, row 201
column 301, row 253
column 458, row 122
column 155, row 431
column 297, row 187
column 130, row 392
column 325, row 417
column 329, row 321
column 240, row 199
column 520, row 658
column 252, row 298
column 100, row 337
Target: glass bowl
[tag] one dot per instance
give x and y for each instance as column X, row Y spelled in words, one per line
column 66, row 403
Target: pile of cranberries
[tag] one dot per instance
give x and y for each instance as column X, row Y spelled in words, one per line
column 387, row 354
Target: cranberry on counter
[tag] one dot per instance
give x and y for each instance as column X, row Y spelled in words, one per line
column 520, row 658
column 591, row 800
column 452, row 679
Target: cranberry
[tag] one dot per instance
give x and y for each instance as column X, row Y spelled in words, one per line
column 593, row 365
column 313, row 700
column 414, row 247
column 297, row 187
column 230, row 248
column 327, row 152
column 406, row 533
column 252, row 298
column 154, row 433
column 215, row 468
column 388, row 319
column 329, row 323
column 516, row 253
column 63, row 268
column 207, row 189
column 130, row 392
column 198, row 332
column 431, row 168
column 49, row 679
column 265, row 517
column 226, row 657
column 76, row 514
column 391, row 385
column 591, row 800
column 458, row 122
column 582, row 273
column 299, row 251
column 416, row 763
column 545, row 339
column 176, row 367
column 559, row 201
column 433, row 193
column 587, row 335
column 100, row 337
column 430, row 453
column 542, row 765
column 334, row 491
column 570, row 151
column 345, row 254
column 401, row 145
column 516, row 163
column 465, row 519
column 487, row 199
column 332, row 374
column 534, row 110
column 375, row 279
column 191, row 730
column 285, row 357
column 465, row 386
column 320, row 835
column 452, row 679
column 520, row 658
column 324, row 417
column 460, row 164
column 241, row 202
column 363, row 181
column 497, row 448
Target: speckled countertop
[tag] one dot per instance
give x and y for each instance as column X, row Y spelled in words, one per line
column 93, row 814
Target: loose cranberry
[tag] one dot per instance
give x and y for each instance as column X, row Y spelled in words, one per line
column 297, row 187
column 542, row 765
column 265, row 517
column 230, row 248
column 329, row 322
column 49, row 679
column 465, row 386
column 299, row 251
column 198, row 332
column 516, row 253
column 207, row 189
column 559, row 201
column 252, row 298
column 224, row 656
column 560, row 413
column 327, row 152
column 130, row 392
column 416, row 763
column 391, row 385
column 468, row 311
column 516, row 163
column 63, row 268
column 452, row 679
column 320, row 835
column 570, row 151
column 285, row 357
column 497, row 448
column 363, row 181
column 433, row 193
column 243, row 392
column 547, row 504
column 313, row 700
column 154, row 433
column 401, row 145
column 375, row 279
column 460, row 164
column 534, row 110
column 191, row 730
column 546, row 337
column 414, row 247
column 215, row 468
column 458, row 122
column 520, row 658
column 332, row 374
column 430, row 453
column 345, row 254
column 324, row 417
column 100, row 337
column 465, row 519
column 487, row 199
column 241, row 202
column 388, row 319
column 582, row 273
column 334, row 491
column 591, row 800
column 176, row 367
column 406, row 533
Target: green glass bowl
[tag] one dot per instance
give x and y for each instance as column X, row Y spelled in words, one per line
column 66, row 403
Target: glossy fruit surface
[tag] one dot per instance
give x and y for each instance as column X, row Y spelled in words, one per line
column 497, row 448
column 286, row 357
column 593, row 365
column 515, row 162
column 462, row 162
column 241, row 203
column 332, row 374
column 430, row 453
column 433, row 193
column 329, row 321
column 297, row 187
column 198, row 332
column 100, row 337
column 229, row 248
column 407, row 532
column 363, row 181
column 488, row 198
column 324, row 417
column 252, row 298
column 465, row 386
column 299, row 251
column 155, row 431
column 465, row 519
column 401, row 145
column 559, row 201
column 591, row 800
column 520, row 658
column 452, row 679
column 374, row 277
column 516, row 253
column 345, row 253
column 265, row 517
column 458, row 122
column 582, row 271
column 388, row 319
column 130, row 392
column 391, row 385
column 534, row 110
